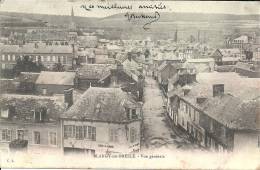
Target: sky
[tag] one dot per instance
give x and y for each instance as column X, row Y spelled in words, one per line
column 63, row 7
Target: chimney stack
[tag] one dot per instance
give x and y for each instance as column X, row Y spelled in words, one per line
column 68, row 97
column 218, row 90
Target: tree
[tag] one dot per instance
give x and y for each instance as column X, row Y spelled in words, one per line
column 27, row 65
column 58, row 67
column 249, row 55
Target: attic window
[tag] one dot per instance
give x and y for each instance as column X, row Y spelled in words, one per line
column 98, row 108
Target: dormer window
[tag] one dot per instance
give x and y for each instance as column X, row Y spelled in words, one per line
column 131, row 113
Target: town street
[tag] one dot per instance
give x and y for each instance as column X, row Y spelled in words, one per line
column 157, row 130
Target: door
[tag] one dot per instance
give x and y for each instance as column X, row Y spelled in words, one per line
column 20, row 134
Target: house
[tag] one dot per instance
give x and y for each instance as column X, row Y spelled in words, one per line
column 49, row 83
column 103, row 120
column 227, row 56
column 165, row 71
column 186, row 73
column 131, row 63
column 101, row 55
column 219, row 111
column 47, row 55
column 87, row 41
column 26, row 82
column 202, row 64
column 248, row 70
column 131, row 81
column 90, row 74
column 31, row 123
column 102, row 75
column 242, row 42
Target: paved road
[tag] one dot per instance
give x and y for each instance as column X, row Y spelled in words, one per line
column 157, row 131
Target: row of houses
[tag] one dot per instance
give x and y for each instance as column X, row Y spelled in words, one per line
column 219, row 111
column 91, row 75
column 102, row 120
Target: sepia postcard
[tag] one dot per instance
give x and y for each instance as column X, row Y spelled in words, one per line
column 106, row 84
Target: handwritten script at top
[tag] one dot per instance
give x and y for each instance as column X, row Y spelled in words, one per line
column 146, row 18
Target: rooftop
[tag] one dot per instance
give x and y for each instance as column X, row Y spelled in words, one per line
column 102, row 104
column 56, row 78
column 24, row 105
column 237, row 108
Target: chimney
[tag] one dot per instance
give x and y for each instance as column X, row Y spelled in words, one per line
column 68, row 97
column 218, row 90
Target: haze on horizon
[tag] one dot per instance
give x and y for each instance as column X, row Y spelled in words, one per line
column 63, row 7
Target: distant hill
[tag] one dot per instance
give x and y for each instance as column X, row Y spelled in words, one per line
column 170, row 17
column 112, row 21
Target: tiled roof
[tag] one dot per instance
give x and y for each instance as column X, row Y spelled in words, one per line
column 101, row 104
column 57, row 78
column 93, row 71
column 24, row 105
column 237, row 108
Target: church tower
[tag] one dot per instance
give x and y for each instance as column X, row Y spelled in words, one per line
column 72, row 26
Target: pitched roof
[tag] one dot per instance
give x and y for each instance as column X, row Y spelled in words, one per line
column 57, row 78
column 93, row 71
column 101, row 104
column 237, row 108
column 25, row 104
column 228, row 52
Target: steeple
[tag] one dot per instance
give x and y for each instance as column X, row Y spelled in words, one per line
column 176, row 35
column 72, row 25
column 72, row 12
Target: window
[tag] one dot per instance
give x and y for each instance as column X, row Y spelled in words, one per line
column 6, row 135
column 37, row 137
column 91, row 133
column 48, row 58
column 13, row 57
column 68, row 131
column 9, row 58
column 134, row 115
column 79, row 132
column 133, row 135
column 128, row 113
column 53, row 138
column 44, row 91
column 4, row 113
column 3, row 66
column 113, row 135
column 65, row 60
column 53, row 58
column 3, row 57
